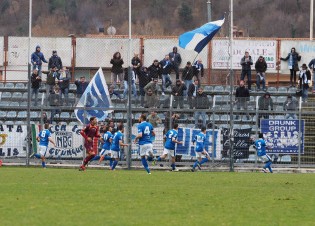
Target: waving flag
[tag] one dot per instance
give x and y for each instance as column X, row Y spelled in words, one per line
column 199, row 38
column 96, row 95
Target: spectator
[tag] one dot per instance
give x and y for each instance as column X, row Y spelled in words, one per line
column 305, row 78
column 261, row 67
column 311, row 65
column 290, row 105
column 155, row 70
column 112, row 92
column 144, row 79
column 64, row 83
column 246, row 63
column 54, row 60
column 166, row 70
column 35, row 84
column 44, row 118
column 136, row 64
column 151, row 94
column 192, row 93
column 81, row 87
column 37, row 58
column 202, row 102
column 176, row 61
column 293, row 58
column 117, row 69
column 264, row 103
column 133, row 83
column 178, row 94
column 55, row 102
column 187, row 76
column 52, row 75
column 154, row 119
column 170, row 121
column 198, row 67
column 241, row 98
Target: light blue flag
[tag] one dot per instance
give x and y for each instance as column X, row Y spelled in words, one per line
column 96, row 95
column 197, row 39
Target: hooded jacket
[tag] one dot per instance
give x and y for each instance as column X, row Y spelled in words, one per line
column 264, row 103
column 38, row 57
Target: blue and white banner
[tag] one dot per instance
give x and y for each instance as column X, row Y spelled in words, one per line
column 96, row 95
column 282, row 136
column 197, row 39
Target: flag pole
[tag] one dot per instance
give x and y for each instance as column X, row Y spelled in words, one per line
column 129, row 118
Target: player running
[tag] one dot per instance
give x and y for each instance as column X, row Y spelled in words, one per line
column 202, row 154
column 260, row 146
column 169, row 148
column 106, row 139
column 117, row 143
column 44, row 137
column 90, row 132
column 145, row 134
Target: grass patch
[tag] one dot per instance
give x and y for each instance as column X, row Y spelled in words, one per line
column 34, row 196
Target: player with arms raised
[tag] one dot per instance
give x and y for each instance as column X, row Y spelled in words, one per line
column 202, row 154
column 260, row 146
column 44, row 137
column 169, row 148
column 145, row 134
column 90, row 132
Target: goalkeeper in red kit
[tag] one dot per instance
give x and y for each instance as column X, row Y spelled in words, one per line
column 90, row 132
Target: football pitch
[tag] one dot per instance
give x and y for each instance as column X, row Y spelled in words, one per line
column 36, row 196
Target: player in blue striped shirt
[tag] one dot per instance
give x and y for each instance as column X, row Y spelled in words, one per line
column 169, row 147
column 145, row 134
column 202, row 154
column 44, row 137
column 117, row 143
column 260, row 146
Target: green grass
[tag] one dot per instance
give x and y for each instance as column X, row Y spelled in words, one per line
column 33, row 196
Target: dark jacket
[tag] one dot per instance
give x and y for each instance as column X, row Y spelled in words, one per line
column 246, row 65
column 188, row 73
column 311, row 64
column 166, row 66
column 198, row 68
column 135, row 61
column 201, row 101
column 144, row 78
column 295, row 59
column 242, row 93
column 175, row 58
column 264, row 103
column 65, row 78
column 117, row 65
column 155, row 71
column 290, row 104
column 191, row 90
column 305, row 78
column 55, row 99
column 80, row 87
column 51, row 77
column 261, row 66
column 35, row 82
column 179, row 89
column 55, row 60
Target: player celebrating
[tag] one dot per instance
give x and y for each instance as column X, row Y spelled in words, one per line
column 169, row 148
column 202, row 154
column 106, row 139
column 260, row 146
column 145, row 133
column 44, row 137
column 117, row 143
column 90, row 132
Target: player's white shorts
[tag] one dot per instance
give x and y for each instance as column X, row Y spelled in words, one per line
column 43, row 150
column 264, row 158
column 115, row 154
column 169, row 151
column 105, row 152
column 146, row 149
column 202, row 154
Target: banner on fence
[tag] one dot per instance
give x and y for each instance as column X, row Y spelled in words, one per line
column 187, row 148
column 282, row 136
column 256, row 48
column 13, row 140
column 241, row 143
